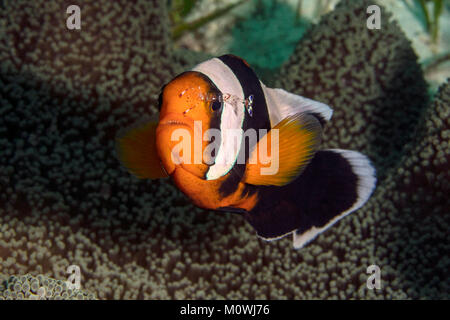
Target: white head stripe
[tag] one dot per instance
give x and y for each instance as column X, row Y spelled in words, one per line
column 232, row 116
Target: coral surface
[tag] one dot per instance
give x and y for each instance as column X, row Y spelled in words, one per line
column 28, row 287
column 65, row 200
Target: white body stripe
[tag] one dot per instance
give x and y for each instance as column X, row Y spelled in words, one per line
column 366, row 184
column 282, row 104
column 232, row 116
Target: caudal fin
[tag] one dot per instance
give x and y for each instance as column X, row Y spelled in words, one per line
column 348, row 180
column 335, row 183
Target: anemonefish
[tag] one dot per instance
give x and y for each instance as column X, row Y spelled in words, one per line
column 308, row 189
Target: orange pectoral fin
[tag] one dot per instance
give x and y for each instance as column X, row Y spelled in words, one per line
column 136, row 150
column 282, row 154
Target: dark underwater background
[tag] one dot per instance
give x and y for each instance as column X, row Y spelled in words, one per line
column 65, row 200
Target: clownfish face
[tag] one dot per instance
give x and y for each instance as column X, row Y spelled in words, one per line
column 190, row 105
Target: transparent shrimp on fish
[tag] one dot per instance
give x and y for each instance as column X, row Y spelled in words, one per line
column 228, row 98
column 235, row 101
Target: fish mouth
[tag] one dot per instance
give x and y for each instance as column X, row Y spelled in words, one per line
column 176, row 119
column 173, row 123
column 166, row 127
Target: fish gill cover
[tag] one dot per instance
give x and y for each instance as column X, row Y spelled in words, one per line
column 64, row 200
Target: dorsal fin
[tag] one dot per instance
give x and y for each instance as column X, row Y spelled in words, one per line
column 283, row 104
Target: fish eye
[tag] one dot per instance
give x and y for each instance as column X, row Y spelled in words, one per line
column 216, row 102
column 216, row 105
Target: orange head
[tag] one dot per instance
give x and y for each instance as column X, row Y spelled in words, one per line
column 190, row 105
